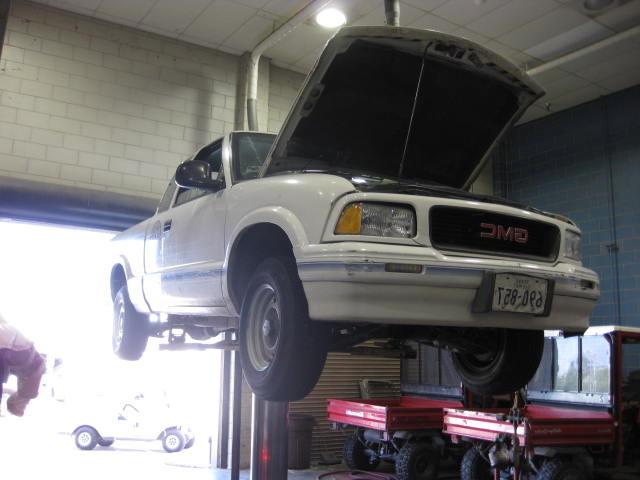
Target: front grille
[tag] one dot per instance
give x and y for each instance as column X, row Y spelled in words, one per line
column 471, row 230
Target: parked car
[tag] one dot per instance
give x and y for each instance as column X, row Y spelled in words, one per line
column 582, row 416
column 101, row 427
column 356, row 222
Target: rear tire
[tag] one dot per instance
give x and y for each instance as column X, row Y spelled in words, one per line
column 417, row 461
column 510, row 367
column 558, row 469
column 282, row 351
column 474, row 466
column 130, row 328
column 105, row 442
column 86, row 438
column 355, row 455
column 173, row 441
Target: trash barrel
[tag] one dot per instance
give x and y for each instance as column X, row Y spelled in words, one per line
column 300, row 430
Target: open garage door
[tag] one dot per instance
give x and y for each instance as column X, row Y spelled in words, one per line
column 65, row 205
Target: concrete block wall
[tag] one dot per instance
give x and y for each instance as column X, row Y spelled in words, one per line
column 97, row 105
column 585, row 163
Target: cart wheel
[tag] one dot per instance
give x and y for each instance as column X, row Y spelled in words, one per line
column 417, row 461
column 474, row 466
column 513, row 362
column 173, row 440
column 355, row 454
column 558, row 469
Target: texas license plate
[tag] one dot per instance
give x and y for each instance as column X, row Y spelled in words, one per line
column 519, row 293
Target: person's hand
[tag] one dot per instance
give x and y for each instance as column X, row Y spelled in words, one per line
column 17, row 404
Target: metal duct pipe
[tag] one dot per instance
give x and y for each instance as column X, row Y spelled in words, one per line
column 392, row 12
column 594, row 47
column 270, row 41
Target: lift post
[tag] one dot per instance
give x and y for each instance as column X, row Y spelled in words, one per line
column 269, row 440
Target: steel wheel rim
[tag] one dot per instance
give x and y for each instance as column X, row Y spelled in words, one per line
column 172, row 442
column 264, row 327
column 84, row 439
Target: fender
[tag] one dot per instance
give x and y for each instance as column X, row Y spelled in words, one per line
column 134, row 285
column 276, row 215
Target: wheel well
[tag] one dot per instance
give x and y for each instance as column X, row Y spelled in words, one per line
column 118, row 279
column 253, row 245
column 166, row 431
column 85, row 426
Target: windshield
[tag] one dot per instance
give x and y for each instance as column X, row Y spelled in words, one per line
column 250, row 150
column 393, row 113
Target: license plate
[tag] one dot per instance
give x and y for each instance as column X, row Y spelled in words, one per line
column 519, row 293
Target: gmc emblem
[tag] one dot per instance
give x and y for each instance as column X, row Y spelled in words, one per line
column 508, row 234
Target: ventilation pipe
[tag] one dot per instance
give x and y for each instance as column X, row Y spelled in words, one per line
column 392, row 12
column 264, row 45
column 589, row 49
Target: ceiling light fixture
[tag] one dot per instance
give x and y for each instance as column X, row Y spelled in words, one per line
column 331, row 18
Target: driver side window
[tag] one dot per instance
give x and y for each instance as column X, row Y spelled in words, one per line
column 212, row 154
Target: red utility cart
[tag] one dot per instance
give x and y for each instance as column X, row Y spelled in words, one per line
column 582, row 414
column 404, row 430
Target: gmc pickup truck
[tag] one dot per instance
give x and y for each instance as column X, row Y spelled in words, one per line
column 356, row 222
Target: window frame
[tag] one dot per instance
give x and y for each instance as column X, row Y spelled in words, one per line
column 234, row 168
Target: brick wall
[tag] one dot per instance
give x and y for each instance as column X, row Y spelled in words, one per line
column 570, row 163
column 93, row 104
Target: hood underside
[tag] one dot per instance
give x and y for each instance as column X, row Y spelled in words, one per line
column 402, row 103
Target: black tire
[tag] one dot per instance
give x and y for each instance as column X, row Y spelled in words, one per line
column 514, row 362
column 86, row 438
column 557, row 469
column 130, row 328
column 105, row 442
column 190, row 443
column 417, row 461
column 355, row 455
column 282, row 351
column 173, row 441
column 474, row 466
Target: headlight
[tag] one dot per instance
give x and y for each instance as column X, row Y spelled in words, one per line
column 572, row 245
column 377, row 220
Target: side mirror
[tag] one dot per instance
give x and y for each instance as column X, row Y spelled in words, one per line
column 197, row 174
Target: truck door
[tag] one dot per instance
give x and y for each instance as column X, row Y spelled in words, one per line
column 193, row 246
column 153, row 248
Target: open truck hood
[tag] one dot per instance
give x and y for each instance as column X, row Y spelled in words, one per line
column 402, row 103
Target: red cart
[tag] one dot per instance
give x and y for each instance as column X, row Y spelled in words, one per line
column 582, row 414
column 403, row 430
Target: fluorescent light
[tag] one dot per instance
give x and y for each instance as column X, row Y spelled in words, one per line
column 331, row 18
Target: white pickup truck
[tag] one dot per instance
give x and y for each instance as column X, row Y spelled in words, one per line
column 356, row 222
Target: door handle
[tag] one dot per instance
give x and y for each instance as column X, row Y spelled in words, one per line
column 166, row 226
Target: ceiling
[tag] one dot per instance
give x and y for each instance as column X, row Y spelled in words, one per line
column 528, row 32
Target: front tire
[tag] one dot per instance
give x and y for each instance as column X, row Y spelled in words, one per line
column 509, row 367
column 417, row 461
column 173, row 441
column 474, row 466
column 355, row 455
column 130, row 328
column 282, row 351
column 86, row 438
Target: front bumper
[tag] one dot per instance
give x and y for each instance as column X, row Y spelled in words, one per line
column 349, row 282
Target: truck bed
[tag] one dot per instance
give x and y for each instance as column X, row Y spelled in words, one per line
column 391, row 414
column 541, row 425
